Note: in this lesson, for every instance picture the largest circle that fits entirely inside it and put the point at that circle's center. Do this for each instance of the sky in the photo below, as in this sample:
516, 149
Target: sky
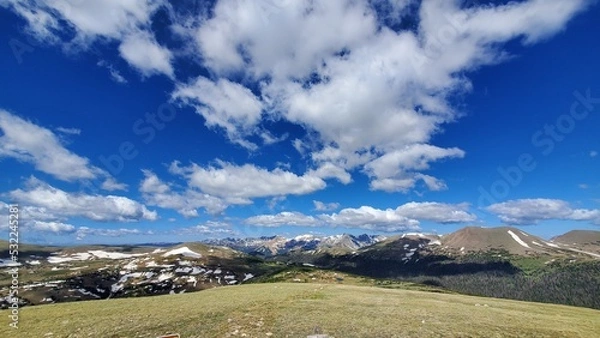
166, 121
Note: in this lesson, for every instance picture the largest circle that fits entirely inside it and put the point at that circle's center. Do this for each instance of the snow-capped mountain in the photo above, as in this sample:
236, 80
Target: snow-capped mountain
277, 245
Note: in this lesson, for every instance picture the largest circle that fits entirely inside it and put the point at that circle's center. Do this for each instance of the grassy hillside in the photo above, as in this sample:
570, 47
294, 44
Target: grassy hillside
294, 310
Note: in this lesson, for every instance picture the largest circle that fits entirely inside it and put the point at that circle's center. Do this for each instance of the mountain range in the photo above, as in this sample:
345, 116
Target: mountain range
469, 260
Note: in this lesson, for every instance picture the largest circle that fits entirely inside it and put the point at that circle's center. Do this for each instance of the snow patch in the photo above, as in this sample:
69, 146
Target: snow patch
112, 255
87, 293
184, 250
80, 256
418, 234
165, 276
518, 239
8, 262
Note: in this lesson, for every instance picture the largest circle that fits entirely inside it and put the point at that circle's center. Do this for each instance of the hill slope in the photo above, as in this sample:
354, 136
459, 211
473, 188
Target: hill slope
510, 239
581, 239
294, 310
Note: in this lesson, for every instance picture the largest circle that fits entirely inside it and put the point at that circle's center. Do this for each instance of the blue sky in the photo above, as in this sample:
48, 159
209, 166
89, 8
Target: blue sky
156, 121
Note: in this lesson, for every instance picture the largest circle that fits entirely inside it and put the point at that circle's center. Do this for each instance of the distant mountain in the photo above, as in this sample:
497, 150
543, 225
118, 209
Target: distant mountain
310, 244
511, 239
579, 237
455, 261
100, 272
587, 240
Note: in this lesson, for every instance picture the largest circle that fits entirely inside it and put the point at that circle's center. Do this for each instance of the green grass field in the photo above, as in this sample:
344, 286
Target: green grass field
294, 310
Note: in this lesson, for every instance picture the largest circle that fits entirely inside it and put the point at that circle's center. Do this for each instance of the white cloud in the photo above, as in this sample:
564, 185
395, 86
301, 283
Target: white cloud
273, 202
209, 228
329, 170
363, 90
532, 211
268, 138
94, 207
110, 184
90, 19
224, 104
28, 142
283, 218
56, 227
114, 73
370, 218
404, 217
83, 232
230, 181
141, 51
127, 22
280, 38
70, 131
593, 153
437, 212
398, 170
321, 206
158, 193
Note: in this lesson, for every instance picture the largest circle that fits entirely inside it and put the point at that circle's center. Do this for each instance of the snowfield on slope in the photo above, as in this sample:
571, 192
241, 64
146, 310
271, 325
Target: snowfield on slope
91, 254
518, 239
184, 250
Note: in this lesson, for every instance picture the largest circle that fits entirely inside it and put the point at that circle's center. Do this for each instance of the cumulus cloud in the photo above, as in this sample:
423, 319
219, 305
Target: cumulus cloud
55, 227
42, 220
127, 22
141, 50
321, 206
283, 218
404, 217
83, 232
371, 94
215, 188
110, 184
437, 212
398, 170
532, 211
209, 228
224, 104
158, 193
330, 170
370, 218
247, 181
28, 142
59, 203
